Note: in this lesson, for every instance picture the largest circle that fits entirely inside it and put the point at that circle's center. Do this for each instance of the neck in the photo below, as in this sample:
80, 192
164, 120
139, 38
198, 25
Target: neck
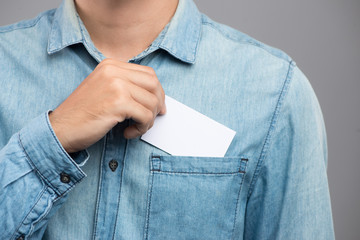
122, 29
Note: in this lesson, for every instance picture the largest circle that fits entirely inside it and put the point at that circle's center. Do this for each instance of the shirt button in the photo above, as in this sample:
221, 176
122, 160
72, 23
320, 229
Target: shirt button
64, 178
22, 237
113, 164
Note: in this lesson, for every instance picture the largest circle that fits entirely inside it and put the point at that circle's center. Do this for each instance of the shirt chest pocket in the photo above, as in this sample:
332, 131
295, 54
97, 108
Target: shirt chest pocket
193, 197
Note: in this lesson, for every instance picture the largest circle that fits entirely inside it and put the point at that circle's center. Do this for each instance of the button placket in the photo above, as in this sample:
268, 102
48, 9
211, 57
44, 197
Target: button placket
110, 180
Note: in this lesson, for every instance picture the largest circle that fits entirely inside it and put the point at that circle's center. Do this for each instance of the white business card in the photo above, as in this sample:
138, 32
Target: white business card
182, 131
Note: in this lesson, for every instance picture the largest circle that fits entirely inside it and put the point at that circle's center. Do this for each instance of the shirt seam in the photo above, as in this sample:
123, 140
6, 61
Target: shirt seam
273, 125
248, 42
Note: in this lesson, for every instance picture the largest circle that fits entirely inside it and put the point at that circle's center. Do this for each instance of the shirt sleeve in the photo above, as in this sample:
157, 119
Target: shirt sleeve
290, 195
36, 174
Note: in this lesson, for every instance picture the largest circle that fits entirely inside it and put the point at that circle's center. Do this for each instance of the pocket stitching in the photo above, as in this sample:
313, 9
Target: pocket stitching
149, 203
241, 171
243, 167
195, 173
156, 167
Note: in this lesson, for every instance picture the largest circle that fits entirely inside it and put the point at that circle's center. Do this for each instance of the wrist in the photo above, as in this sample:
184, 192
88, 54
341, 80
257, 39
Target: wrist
56, 126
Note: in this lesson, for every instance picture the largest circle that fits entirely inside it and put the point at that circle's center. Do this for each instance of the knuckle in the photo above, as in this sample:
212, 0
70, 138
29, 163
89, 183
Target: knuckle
162, 98
107, 60
154, 84
151, 124
121, 93
104, 62
107, 71
162, 102
149, 116
150, 70
154, 102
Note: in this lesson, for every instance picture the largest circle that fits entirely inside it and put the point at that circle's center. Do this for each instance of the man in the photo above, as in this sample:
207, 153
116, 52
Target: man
81, 83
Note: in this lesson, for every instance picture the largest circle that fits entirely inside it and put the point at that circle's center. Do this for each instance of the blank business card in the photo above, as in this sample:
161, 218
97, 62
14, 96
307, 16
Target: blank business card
182, 131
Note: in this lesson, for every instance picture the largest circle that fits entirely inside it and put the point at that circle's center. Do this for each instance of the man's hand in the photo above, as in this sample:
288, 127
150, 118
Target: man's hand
113, 92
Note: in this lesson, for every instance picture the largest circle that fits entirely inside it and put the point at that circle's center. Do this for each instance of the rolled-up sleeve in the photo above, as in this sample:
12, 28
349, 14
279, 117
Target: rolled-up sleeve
35, 175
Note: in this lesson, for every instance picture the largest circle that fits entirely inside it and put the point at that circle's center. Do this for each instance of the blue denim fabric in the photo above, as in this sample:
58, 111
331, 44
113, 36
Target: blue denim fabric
272, 183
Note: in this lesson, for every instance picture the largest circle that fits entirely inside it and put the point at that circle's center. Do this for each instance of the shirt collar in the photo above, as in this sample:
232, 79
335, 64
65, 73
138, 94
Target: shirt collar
65, 29
179, 38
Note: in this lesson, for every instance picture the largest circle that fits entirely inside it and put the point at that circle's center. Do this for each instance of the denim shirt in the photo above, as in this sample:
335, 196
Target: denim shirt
271, 184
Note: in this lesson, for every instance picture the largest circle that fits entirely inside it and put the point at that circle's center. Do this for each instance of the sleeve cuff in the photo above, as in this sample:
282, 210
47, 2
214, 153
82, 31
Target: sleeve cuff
49, 158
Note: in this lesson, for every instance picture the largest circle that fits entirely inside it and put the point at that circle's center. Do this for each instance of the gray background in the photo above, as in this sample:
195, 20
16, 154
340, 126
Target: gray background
323, 37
